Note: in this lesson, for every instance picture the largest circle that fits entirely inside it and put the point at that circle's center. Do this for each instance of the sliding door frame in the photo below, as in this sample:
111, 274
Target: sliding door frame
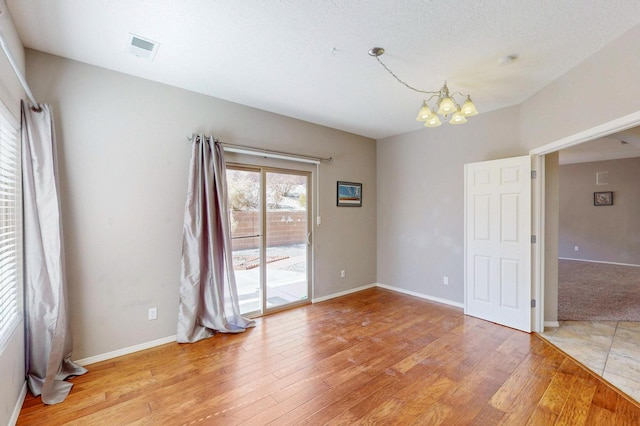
262, 211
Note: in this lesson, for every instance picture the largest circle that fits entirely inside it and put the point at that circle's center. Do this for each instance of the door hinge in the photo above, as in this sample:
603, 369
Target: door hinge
534, 174
533, 239
533, 303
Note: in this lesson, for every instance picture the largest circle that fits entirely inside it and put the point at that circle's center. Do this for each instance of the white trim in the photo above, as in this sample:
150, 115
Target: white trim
552, 324
464, 237
342, 293
600, 261
11, 289
16, 324
537, 221
422, 296
17, 70
392, 288
18, 407
613, 126
126, 351
618, 125
170, 339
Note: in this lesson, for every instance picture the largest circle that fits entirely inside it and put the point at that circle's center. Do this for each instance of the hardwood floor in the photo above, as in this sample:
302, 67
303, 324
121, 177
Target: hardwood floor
374, 357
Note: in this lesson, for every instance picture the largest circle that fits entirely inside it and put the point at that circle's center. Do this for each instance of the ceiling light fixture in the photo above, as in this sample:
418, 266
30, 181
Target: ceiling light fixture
445, 103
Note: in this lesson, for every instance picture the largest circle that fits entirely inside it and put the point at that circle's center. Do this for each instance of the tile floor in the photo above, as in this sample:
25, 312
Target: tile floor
610, 349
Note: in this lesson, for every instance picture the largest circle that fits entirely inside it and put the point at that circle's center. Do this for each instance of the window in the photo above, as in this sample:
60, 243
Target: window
10, 228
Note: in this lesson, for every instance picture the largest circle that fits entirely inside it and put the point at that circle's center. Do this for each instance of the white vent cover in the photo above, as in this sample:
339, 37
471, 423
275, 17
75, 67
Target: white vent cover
602, 178
142, 47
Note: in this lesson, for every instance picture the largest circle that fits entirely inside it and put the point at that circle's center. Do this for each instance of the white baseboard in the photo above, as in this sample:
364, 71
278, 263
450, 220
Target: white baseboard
599, 261
169, 339
422, 296
16, 410
126, 351
552, 324
342, 293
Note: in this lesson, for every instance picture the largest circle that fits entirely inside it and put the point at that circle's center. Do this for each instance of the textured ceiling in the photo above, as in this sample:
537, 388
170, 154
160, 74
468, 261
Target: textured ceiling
308, 59
613, 147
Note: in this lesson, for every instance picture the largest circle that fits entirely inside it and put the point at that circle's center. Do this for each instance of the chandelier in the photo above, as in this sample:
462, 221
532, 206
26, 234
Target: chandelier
444, 102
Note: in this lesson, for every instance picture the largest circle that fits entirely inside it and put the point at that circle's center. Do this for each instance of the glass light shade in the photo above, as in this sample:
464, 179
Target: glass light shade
434, 121
425, 113
468, 108
458, 118
446, 106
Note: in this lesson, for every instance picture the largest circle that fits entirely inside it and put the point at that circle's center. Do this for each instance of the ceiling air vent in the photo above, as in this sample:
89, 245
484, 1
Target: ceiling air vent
142, 47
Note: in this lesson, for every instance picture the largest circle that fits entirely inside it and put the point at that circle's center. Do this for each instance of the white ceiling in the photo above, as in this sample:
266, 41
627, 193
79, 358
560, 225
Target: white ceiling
613, 147
308, 59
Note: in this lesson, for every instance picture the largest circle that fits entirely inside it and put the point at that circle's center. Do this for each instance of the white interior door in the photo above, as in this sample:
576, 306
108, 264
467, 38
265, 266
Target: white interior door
498, 241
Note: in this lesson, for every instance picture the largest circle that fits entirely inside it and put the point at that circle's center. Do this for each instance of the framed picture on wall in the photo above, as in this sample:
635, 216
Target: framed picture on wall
603, 198
349, 194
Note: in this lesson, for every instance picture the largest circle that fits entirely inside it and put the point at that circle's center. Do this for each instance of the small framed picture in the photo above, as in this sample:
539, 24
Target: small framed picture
349, 194
603, 198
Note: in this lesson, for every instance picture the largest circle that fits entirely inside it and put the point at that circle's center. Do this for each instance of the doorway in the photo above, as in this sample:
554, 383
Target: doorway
271, 237
599, 249
543, 286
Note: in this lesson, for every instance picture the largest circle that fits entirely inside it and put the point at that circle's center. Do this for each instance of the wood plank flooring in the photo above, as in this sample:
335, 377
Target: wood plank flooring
373, 357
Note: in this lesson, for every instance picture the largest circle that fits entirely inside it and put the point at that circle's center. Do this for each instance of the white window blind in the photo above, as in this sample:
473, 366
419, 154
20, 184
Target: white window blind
10, 235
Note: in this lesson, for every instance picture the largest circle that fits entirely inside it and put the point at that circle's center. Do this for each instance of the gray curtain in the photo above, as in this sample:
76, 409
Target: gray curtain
48, 339
208, 294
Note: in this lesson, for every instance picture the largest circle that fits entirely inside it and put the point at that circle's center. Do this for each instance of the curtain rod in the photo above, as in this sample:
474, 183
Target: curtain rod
273, 154
18, 73
241, 149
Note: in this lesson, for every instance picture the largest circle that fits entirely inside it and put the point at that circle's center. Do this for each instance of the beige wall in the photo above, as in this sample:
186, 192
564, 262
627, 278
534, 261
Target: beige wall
575, 103
421, 200
420, 174
611, 233
123, 170
12, 357
602, 88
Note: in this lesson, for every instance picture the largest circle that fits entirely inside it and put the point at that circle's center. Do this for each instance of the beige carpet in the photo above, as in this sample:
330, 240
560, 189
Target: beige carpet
598, 292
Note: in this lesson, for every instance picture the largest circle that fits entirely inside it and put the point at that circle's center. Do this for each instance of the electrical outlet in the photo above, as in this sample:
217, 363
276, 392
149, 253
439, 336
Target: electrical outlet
445, 280
153, 313
343, 273
576, 248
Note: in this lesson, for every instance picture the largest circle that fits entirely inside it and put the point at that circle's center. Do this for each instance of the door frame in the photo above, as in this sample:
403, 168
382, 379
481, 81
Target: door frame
309, 242
538, 154
263, 169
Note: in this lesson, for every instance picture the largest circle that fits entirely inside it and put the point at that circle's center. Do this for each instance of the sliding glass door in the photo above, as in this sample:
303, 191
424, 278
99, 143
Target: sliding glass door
244, 189
270, 231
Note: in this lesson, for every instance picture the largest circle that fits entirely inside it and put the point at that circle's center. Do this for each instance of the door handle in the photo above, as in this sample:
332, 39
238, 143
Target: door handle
309, 239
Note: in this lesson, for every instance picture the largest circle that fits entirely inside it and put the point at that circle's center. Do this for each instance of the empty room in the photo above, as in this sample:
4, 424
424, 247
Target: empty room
318, 212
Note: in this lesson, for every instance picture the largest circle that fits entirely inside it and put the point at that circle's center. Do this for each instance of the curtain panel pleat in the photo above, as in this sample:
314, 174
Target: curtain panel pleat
208, 292
48, 338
